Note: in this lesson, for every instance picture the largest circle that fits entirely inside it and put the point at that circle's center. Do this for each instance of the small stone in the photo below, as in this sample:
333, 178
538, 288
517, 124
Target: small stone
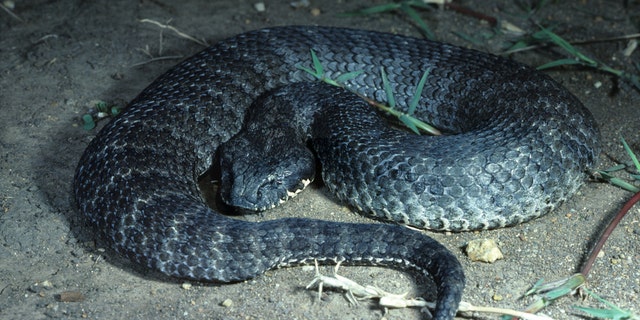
9, 4
484, 250
38, 286
117, 76
186, 286
71, 296
260, 7
227, 303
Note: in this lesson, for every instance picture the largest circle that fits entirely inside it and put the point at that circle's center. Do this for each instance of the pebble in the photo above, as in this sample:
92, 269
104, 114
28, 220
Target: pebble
260, 7
227, 303
71, 296
9, 4
484, 250
38, 286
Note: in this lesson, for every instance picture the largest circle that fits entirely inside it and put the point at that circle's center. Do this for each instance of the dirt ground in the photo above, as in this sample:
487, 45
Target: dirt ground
66, 55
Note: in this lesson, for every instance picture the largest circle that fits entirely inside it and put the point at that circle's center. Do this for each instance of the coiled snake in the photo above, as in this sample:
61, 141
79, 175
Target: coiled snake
516, 144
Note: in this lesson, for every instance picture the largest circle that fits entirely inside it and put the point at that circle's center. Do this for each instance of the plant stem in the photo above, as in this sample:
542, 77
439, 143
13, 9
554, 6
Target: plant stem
607, 232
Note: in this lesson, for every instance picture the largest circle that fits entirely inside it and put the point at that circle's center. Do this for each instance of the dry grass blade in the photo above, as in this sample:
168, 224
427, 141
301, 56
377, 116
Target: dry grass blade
178, 32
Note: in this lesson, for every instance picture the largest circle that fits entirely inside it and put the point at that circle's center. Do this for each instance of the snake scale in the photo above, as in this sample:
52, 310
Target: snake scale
516, 144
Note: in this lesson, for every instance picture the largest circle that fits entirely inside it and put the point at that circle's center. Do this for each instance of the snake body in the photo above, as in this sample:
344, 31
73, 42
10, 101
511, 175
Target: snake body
516, 144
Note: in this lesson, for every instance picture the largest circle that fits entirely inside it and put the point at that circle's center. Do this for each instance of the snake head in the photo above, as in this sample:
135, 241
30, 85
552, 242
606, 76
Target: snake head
258, 173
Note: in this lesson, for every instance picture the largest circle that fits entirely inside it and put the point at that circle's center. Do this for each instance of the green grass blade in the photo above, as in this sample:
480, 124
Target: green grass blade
373, 10
551, 291
426, 127
318, 71
619, 182
559, 62
307, 70
419, 124
615, 168
416, 96
316, 64
635, 80
517, 45
631, 154
412, 123
413, 14
614, 312
468, 38
546, 34
408, 122
604, 313
607, 303
387, 89
348, 76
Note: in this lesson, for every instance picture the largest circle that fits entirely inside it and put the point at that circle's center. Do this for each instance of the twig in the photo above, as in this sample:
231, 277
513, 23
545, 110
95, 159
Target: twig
155, 59
577, 42
607, 232
471, 13
355, 292
178, 32
467, 307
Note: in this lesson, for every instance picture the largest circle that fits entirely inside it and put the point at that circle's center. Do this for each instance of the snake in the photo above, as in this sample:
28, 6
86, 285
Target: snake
515, 145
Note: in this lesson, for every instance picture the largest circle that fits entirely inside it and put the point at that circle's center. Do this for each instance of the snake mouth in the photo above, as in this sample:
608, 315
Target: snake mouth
266, 194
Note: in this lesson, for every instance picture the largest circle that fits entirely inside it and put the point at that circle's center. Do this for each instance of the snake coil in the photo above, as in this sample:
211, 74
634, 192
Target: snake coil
516, 145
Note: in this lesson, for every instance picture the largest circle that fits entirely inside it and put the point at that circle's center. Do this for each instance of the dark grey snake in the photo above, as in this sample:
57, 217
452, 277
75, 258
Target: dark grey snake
516, 145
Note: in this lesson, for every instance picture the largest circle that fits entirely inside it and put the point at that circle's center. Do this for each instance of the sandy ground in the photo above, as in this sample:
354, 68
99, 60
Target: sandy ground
65, 55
